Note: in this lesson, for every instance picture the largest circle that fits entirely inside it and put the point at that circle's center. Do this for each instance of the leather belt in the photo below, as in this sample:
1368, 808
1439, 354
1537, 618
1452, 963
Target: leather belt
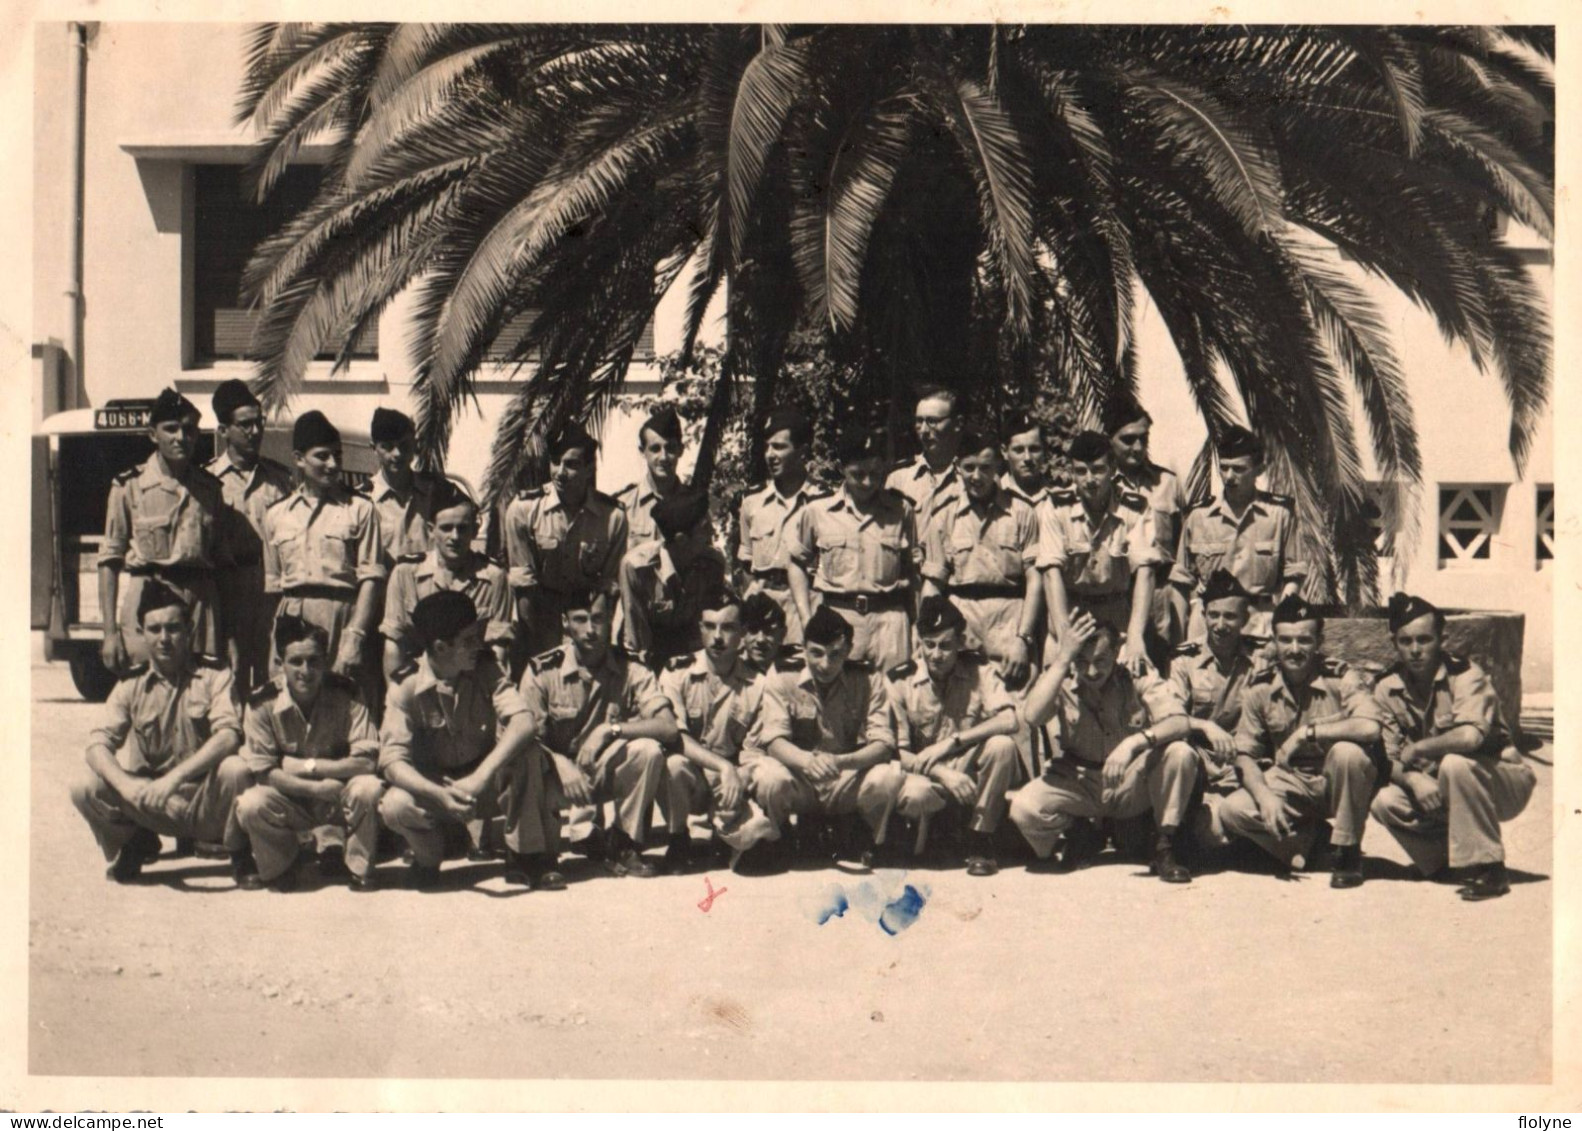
980, 590
772, 578
864, 603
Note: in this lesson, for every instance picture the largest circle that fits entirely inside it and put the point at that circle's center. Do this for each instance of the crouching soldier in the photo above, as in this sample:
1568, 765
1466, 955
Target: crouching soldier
705, 690
825, 726
314, 751
1300, 751
1456, 774
954, 725
163, 762
604, 722
458, 745
1118, 755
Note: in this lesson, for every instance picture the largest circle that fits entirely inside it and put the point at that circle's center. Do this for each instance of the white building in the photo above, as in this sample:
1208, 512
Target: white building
161, 155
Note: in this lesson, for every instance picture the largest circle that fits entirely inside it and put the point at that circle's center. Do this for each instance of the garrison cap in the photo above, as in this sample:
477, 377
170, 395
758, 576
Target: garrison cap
761, 613
313, 430
664, 423
1221, 584
974, 441
442, 615
792, 420
1294, 609
860, 442
1124, 413
157, 595
718, 597
826, 626
388, 426
171, 405
572, 436
1088, 446
290, 629
1017, 423
1236, 442
448, 493
1403, 609
230, 396
678, 513
936, 614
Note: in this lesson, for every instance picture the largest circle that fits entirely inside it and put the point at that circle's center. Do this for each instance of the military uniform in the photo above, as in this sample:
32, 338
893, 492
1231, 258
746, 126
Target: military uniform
480, 579
637, 500
552, 552
1098, 560
1259, 549
860, 565
840, 719
926, 712
157, 525
1166, 497
761, 552
1203, 691
338, 727
707, 705
661, 605
317, 554
1326, 779
1012, 488
152, 724
1086, 729
446, 731
406, 518
246, 617
925, 488
980, 556
1480, 789
570, 700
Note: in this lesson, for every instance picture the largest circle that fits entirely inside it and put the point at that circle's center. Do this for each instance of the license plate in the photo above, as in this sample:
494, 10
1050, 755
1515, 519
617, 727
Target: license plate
121, 418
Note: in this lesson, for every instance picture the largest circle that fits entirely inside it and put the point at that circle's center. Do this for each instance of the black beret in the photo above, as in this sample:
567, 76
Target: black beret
448, 493
860, 443
792, 420
313, 430
1403, 610
157, 595
572, 436
1221, 584
230, 396
291, 629
442, 615
826, 626
171, 405
1236, 442
1088, 446
974, 441
663, 423
1293, 609
762, 613
678, 513
936, 614
1123, 414
717, 597
388, 426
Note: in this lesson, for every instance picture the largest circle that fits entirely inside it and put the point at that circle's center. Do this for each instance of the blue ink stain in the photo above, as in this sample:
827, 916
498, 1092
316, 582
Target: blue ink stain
902, 912
891, 903
835, 905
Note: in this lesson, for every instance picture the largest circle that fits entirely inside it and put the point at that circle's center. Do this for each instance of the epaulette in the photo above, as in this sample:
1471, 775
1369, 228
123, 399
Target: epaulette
819, 492
545, 660
860, 665
1190, 648
632, 487
137, 669
902, 671
203, 472
903, 464
264, 695
1265, 676
611, 500
1062, 496
205, 660
789, 663
971, 656
679, 663
341, 682
1333, 668
1278, 500
1454, 664
1134, 498
531, 492
128, 475
404, 672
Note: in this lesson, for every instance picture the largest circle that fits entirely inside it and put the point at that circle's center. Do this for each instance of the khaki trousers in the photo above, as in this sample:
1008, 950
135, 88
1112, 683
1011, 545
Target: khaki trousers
631, 774
1161, 780
1340, 792
882, 637
203, 809
992, 765
689, 789
273, 823
518, 794
874, 793
1479, 792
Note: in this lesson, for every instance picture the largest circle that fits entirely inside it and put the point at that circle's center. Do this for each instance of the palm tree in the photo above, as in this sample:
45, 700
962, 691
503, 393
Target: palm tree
972, 203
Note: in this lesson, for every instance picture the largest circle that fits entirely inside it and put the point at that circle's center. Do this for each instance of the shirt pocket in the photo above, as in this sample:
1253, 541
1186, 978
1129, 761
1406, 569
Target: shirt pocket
154, 533
888, 553
1209, 556
590, 556
196, 710
1265, 563
333, 543
763, 540
838, 561
1007, 555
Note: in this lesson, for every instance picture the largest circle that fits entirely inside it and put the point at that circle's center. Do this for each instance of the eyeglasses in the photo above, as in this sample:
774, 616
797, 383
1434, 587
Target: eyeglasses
247, 425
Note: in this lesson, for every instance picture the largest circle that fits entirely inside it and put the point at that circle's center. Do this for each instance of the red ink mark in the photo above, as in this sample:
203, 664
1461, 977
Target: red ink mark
708, 901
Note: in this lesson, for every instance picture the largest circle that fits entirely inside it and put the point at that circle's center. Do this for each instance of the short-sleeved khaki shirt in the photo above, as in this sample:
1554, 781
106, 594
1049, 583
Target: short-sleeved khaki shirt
569, 700
550, 546
1260, 548
1461, 695
443, 728
927, 712
847, 551
845, 716
994, 543
1272, 710
338, 726
706, 703
152, 723
1097, 558
155, 519
249, 494
1089, 724
332, 542
480, 579
406, 518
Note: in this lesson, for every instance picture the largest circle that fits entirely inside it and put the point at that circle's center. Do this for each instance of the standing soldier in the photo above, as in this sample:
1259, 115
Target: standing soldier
604, 722
561, 539
930, 478
857, 549
705, 690
826, 730
664, 582
1097, 550
1246, 531
163, 762
1300, 750
1118, 753
660, 443
767, 509
165, 519
1456, 773
457, 746
1128, 426
321, 551
954, 725
982, 549
250, 485
1022, 441
313, 750
404, 498
452, 563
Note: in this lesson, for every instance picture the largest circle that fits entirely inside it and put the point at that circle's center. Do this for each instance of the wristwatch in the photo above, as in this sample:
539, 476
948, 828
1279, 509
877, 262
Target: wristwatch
615, 731
313, 767
1026, 638
1312, 732
1148, 735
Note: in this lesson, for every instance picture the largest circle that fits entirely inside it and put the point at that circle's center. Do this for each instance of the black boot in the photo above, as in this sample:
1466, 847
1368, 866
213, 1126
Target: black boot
1347, 872
678, 854
1486, 882
1165, 865
981, 860
128, 864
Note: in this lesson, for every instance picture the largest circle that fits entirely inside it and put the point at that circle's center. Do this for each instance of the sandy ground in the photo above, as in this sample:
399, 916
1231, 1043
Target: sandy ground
1102, 975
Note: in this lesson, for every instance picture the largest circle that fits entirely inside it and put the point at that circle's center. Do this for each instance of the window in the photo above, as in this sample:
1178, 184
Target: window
1546, 523
227, 225
1469, 518
517, 326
